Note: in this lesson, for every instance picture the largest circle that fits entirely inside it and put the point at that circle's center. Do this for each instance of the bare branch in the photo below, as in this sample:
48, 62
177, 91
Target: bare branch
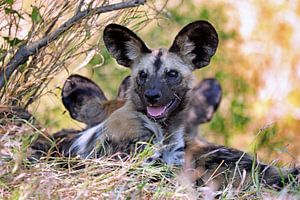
25, 51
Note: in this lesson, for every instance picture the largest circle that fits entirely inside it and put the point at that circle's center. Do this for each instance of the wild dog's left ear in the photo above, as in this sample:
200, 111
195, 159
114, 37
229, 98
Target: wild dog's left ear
205, 99
124, 45
196, 43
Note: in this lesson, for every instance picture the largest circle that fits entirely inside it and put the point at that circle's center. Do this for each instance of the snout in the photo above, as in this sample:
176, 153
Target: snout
152, 96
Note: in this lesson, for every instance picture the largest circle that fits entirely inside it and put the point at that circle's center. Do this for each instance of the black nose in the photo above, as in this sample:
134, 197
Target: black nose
152, 95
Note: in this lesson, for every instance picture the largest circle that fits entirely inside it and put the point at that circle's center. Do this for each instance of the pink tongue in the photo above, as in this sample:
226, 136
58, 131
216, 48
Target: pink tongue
156, 111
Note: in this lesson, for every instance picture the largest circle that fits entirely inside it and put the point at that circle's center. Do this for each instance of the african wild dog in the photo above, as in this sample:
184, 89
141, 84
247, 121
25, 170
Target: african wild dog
157, 98
205, 163
87, 103
156, 109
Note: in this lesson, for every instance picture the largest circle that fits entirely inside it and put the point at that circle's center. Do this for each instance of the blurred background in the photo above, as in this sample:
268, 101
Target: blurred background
257, 64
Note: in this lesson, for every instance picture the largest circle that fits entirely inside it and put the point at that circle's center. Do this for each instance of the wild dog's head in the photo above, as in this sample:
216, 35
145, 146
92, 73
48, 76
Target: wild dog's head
161, 78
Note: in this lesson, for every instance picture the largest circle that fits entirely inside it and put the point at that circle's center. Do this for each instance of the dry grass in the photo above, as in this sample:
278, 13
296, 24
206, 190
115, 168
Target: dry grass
115, 177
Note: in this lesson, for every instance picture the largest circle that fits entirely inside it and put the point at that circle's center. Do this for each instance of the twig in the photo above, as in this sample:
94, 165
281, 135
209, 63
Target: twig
56, 19
25, 51
79, 7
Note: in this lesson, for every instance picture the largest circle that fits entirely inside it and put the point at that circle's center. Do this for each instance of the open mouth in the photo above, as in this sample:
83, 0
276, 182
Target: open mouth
159, 112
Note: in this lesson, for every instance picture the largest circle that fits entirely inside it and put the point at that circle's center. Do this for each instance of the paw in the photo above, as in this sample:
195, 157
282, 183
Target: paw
173, 158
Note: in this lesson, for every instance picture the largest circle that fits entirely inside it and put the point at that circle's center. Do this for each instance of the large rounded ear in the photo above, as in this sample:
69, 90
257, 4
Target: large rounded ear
123, 88
205, 99
196, 43
83, 99
124, 45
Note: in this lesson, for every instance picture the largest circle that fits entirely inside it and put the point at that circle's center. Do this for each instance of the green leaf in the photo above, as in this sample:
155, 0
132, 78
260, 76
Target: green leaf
266, 136
12, 11
10, 2
22, 67
218, 124
2, 51
9, 10
36, 16
6, 2
96, 60
238, 115
205, 14
13, 42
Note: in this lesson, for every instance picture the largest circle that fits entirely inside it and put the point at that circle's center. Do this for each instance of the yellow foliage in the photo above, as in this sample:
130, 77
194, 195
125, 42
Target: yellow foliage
294, 98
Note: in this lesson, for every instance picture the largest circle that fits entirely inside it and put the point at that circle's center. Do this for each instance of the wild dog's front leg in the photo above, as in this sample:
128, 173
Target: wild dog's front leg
157, 141
173, 151
169, 150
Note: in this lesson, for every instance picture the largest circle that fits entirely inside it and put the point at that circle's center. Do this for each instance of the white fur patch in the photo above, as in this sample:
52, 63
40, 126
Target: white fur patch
171, 155
177, 138
133, 51
82, 144
187, 48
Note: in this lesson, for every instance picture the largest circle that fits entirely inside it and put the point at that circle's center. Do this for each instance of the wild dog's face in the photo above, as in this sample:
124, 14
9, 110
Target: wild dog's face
160, 83
161, 78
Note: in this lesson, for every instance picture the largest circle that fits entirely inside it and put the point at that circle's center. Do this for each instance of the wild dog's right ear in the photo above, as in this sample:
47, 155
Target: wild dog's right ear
196, 43
123, 88
124, 45
83, 99
205, 99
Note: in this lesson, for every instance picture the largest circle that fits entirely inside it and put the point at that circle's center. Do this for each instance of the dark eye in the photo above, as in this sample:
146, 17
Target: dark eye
172, 73
143, 75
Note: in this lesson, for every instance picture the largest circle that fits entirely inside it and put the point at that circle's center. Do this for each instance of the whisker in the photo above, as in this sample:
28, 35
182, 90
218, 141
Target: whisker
177, 97
164, 122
